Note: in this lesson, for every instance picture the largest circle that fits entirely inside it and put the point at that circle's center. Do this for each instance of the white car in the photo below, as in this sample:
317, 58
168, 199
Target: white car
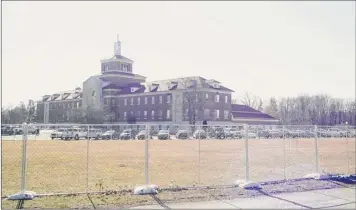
252, 135
74, 133
94, 133
58, 134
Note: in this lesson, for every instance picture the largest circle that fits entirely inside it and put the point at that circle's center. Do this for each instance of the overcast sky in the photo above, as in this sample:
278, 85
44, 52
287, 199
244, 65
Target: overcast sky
266, 48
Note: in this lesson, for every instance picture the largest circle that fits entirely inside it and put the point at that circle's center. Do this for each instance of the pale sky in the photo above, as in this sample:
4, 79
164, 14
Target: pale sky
266, 48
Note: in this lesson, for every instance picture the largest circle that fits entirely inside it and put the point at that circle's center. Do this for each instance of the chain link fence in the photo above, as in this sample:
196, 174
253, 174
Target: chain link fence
95, 158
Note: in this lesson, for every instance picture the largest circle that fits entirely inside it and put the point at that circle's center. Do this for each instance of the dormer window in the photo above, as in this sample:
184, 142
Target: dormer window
65, 95
153, 87
134, 89
193, 83
172, 85
216, 85
54, 97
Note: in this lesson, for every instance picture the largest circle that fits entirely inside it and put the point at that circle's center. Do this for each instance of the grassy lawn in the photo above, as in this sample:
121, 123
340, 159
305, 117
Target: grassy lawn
61, 166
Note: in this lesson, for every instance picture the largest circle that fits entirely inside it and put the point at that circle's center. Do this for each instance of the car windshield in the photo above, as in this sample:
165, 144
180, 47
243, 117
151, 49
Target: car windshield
111, 131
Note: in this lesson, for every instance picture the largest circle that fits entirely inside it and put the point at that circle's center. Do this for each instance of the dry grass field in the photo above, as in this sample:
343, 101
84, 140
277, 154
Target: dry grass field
61, 166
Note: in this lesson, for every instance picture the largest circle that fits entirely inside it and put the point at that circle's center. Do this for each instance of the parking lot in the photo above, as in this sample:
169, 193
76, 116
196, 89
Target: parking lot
185, 132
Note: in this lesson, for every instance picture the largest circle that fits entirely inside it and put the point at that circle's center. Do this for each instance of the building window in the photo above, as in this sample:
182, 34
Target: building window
217, 98
106, 101
226, 99
138, 114
145, 100
113, 101
132, 101
160, 114
153, 100
196, 98
145, 115
217, 114
226, 114
206, 113
124, 67
125, 115
153, 115
206, 96
168, 114
186, 114
68, 106
168, 99
138, 101
160, 99
125, 101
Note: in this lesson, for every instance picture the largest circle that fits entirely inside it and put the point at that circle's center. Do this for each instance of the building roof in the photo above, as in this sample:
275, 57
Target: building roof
117, 57
167, 85
243, 111
64, 95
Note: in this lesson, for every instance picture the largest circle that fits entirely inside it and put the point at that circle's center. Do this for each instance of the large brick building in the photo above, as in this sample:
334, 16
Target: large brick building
122, 95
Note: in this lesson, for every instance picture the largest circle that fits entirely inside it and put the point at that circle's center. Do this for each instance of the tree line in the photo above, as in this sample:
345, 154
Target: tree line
320, 109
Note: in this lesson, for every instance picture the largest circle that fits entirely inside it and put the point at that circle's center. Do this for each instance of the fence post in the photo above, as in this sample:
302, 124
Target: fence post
247, 175
87, 166
284, 153
23, 161
316, 147
147, 154
199, 158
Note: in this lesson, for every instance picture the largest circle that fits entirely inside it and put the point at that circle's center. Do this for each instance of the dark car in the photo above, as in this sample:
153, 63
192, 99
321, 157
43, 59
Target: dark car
219, 133
182, 134
163, 135
110, 134
7, 130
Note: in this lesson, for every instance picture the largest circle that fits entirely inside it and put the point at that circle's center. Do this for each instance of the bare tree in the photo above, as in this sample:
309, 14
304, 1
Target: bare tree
93, 116
272, 108
31, 111
252, 101
193, 102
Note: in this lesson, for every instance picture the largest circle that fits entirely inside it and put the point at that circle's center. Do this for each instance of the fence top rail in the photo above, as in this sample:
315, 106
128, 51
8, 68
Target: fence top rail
181, 125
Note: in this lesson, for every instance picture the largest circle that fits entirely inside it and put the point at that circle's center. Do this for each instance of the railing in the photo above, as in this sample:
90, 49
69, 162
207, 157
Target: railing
91, 158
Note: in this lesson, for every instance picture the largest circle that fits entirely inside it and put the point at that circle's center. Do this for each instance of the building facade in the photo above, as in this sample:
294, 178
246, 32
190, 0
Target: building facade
121, 96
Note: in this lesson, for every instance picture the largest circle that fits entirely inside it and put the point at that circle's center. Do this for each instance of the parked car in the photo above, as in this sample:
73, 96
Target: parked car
127, 134
229, 132
58, 134
251, 135
17, 130
182, 134
297, 134
94, 133
217, 133
7, 130
199, 134
309, 134
163, 135
110, 134
238, 134
323, 133
141, 135
74, 133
